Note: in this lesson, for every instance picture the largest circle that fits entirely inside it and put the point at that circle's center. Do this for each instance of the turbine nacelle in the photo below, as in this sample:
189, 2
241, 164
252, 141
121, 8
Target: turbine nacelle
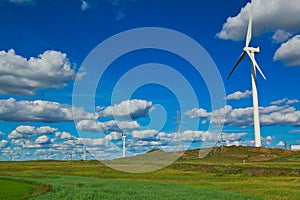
252, 49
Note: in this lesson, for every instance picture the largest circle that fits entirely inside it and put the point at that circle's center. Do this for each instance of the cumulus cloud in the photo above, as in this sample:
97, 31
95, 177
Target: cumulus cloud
22, 76
64, 135
268, 16
42, 140
12, 110
114, 136
284, 115
239, 95
289, 52
129, 109
3, 143
206, 136
281, 144
46, 130
144, 134
22, 132
109, 126
94, 142
281, 36
27, 132
198, 113
15, 135
270, 138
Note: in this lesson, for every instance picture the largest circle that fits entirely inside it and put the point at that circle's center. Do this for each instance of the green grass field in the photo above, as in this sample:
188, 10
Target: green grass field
11, 190
266, 174
78, 188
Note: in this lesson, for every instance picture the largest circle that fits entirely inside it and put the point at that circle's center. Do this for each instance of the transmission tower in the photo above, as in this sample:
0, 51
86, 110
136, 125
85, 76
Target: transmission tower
218, 125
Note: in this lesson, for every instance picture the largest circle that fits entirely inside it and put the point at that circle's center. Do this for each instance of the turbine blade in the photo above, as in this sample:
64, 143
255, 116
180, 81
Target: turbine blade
249, 32
255, 64
236, 64
253, 74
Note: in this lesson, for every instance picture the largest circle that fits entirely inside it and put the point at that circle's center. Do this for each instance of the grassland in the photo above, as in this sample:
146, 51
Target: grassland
11, 190
236, 173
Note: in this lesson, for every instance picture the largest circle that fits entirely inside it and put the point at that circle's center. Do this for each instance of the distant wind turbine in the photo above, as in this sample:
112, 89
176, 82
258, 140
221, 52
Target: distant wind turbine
250, 51
124, 143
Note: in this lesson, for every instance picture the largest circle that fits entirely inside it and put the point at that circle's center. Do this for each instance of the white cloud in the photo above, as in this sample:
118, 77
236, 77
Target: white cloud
64, 135
281, 36
270, 138
285, 115
94, 142
26, 129
46, 130
84, 5
144, 134
3, 143
1, 134
281, 143
130, 109
289, 52
22, 76
205, 136
198, 113
22, 132
40, 111
239, 95
279, 102
42, 140
27, 132
109, 126
15, 135
292, 101
240, 143
268, 16
114, 136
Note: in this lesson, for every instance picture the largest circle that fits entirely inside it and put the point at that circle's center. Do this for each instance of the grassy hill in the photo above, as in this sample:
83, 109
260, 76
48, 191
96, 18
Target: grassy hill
241, 153
257, 172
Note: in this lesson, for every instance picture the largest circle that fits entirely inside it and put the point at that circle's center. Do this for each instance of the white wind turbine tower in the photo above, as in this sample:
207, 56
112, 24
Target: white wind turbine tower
250, 51
124, 143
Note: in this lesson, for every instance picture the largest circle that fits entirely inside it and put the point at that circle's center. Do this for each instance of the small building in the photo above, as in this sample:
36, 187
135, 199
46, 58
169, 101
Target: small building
295, 147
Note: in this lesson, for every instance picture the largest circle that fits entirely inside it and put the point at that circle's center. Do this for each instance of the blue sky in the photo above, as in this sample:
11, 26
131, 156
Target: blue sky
45, 47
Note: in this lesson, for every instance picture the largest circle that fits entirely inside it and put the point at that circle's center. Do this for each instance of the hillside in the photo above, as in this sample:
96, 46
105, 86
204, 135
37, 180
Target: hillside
267, 173
241, 153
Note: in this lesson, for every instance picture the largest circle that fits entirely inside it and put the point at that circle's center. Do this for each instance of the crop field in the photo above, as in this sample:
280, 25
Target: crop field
236, 173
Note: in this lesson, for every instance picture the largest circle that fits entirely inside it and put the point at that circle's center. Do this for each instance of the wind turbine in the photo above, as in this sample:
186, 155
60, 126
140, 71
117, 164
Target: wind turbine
124, 143
250, 51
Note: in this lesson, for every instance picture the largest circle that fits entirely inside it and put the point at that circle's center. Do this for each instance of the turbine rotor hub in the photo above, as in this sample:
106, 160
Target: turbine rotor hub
252, 49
